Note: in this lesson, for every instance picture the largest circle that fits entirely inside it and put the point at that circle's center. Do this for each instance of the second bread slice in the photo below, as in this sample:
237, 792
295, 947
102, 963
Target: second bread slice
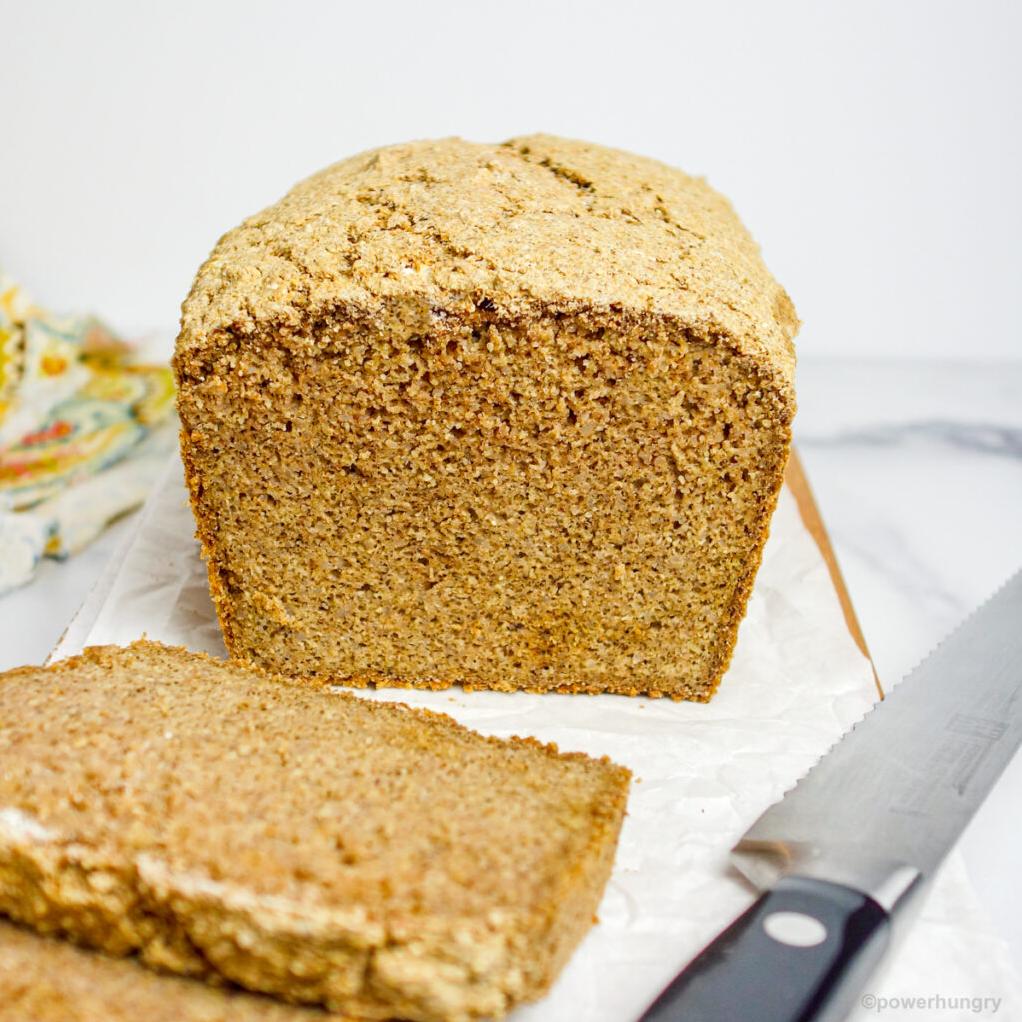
309, 844
48, 980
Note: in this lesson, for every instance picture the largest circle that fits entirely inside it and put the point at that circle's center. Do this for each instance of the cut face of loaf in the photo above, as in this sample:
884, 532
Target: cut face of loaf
225, 825
505, 416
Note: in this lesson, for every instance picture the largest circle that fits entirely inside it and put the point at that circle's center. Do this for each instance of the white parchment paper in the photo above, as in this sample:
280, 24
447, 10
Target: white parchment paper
703, 773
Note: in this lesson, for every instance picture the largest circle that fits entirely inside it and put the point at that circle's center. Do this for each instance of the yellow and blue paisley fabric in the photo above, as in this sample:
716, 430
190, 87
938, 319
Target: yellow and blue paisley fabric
72, 407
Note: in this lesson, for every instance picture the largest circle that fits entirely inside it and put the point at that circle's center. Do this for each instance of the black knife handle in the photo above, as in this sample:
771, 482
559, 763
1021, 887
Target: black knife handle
748, 974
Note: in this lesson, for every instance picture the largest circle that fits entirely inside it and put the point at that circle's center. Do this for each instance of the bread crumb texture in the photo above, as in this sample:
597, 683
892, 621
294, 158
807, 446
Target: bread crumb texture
294, 840
509, 416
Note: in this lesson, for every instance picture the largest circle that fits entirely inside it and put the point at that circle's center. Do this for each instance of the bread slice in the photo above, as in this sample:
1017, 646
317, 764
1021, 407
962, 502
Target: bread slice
48, 980
512, 416
297, 841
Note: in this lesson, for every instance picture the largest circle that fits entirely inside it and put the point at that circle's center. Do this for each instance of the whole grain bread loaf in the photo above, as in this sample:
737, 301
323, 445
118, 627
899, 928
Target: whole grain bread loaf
47, 980
512, 416
222, 824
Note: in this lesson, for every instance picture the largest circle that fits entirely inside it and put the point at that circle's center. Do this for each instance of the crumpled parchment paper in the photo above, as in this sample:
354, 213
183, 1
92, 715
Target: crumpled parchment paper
703, 773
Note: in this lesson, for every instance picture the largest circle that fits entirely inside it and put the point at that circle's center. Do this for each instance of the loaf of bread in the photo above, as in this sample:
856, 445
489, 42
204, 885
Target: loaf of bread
223, 824
510, 416
47, 980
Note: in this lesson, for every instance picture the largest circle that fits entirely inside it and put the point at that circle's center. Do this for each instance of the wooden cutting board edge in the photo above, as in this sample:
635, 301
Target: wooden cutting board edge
798, 483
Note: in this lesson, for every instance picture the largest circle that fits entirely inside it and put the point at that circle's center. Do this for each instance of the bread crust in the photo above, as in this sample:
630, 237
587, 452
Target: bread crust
537, 224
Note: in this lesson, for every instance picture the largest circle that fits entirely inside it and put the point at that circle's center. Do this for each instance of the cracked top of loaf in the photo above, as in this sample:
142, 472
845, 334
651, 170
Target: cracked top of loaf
403, 237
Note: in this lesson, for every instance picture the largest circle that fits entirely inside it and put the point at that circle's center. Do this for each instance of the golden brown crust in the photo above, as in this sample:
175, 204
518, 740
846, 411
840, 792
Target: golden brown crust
225, 824
539, 222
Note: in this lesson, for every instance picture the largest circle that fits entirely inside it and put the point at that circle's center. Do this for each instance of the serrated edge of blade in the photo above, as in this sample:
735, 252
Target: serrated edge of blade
974, 613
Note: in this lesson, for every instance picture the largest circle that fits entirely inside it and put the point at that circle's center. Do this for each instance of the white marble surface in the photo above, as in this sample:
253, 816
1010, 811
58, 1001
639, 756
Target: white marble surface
917, 468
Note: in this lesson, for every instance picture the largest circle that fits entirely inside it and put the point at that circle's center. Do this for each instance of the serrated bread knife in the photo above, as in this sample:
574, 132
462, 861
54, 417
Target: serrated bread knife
844, 854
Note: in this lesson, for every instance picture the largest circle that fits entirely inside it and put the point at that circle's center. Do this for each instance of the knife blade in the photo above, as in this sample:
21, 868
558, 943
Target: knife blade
842, 857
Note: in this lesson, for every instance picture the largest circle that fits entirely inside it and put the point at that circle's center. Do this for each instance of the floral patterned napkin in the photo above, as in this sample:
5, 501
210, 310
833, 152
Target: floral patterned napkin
83, 432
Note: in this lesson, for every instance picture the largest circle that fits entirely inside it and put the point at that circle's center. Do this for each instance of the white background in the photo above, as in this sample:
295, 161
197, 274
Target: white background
872, 147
